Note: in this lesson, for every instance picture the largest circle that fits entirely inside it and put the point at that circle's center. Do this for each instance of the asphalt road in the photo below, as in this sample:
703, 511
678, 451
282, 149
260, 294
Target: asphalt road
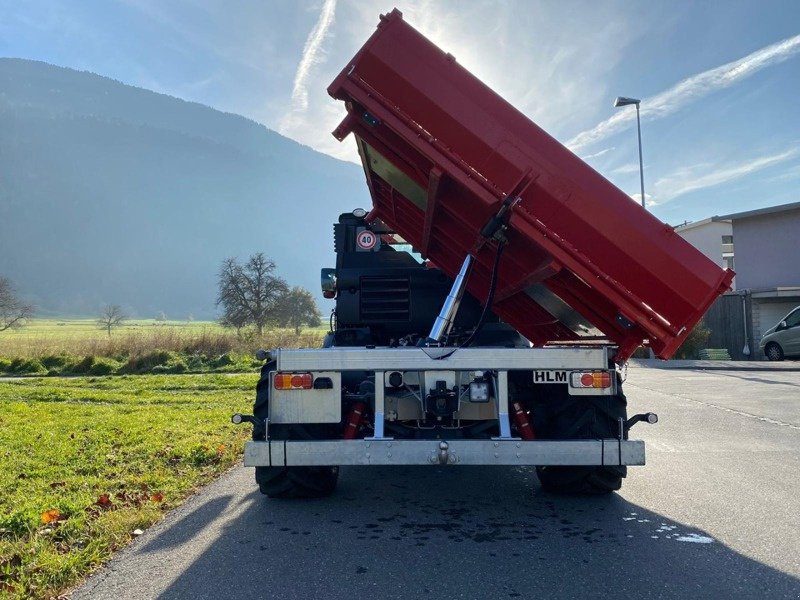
714, 514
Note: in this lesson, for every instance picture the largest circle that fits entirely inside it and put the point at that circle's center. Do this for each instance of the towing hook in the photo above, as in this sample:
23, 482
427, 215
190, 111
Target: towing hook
238, 419
650, 417
443, 449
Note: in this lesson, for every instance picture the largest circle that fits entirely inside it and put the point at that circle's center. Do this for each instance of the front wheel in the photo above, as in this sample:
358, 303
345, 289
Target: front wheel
564, 417
773, 351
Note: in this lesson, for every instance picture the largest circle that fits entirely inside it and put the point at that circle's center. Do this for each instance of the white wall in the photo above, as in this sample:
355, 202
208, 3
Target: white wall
708, 239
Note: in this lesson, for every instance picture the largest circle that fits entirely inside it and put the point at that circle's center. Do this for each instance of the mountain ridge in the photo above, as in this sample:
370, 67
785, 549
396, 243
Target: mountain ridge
115, 194
55, 71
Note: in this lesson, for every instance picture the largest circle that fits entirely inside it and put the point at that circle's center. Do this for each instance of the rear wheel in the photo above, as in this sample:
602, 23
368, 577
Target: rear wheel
289, 482
565, 417
297, 482
773, 351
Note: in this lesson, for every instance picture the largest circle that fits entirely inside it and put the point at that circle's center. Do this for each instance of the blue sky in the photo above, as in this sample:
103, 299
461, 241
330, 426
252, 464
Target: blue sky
719, 81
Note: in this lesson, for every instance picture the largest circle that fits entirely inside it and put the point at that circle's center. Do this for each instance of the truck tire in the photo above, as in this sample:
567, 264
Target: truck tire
580, 418
288, 482
297, 482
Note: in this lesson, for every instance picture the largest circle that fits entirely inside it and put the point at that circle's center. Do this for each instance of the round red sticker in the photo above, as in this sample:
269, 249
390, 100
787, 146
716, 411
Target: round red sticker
366, 240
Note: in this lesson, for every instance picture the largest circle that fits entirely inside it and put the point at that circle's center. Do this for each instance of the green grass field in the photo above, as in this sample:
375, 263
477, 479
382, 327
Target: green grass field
82, 328
78, 346
85, 461
41, 337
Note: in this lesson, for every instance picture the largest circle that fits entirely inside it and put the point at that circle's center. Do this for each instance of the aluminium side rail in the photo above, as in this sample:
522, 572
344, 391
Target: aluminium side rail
445, 452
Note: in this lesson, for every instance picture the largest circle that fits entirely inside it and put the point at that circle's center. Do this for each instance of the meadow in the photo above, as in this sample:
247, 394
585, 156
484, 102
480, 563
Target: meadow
79, 347
88, 461
85, 462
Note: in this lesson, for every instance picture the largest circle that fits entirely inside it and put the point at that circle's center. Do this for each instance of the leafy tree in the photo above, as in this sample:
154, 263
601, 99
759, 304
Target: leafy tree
112, 317
13, 311
249, 292
296, 308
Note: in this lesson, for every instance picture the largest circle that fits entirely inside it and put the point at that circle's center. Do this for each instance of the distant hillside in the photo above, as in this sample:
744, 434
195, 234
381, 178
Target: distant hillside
115, 194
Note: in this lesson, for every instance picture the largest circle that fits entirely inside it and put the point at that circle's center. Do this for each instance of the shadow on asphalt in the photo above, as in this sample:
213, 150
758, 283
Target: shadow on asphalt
187, 528
770, 381
471, 532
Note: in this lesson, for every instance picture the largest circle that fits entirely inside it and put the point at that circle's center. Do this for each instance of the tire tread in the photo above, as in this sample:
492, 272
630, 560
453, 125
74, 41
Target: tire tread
297, 482
288, 482
575, 418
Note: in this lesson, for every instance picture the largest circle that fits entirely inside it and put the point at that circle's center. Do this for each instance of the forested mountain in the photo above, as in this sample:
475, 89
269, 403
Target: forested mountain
115, 194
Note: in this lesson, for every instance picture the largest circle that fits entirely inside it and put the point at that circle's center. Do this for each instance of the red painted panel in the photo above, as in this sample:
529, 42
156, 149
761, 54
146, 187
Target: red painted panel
628, 274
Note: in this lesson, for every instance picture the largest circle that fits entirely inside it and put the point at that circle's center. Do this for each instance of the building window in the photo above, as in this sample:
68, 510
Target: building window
729, 264
727, 245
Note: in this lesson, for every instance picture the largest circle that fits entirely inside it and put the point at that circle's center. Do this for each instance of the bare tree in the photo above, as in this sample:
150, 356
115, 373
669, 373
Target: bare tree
297, 308
235, 317
249, 292
112, 317
13, 311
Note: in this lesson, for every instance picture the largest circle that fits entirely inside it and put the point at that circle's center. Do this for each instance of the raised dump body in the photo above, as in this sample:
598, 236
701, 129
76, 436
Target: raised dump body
442, 152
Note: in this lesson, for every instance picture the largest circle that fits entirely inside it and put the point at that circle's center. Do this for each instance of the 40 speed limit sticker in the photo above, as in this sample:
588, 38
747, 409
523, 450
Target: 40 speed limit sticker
366, 240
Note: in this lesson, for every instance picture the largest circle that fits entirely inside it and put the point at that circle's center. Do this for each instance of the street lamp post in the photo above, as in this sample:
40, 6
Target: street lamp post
622, 101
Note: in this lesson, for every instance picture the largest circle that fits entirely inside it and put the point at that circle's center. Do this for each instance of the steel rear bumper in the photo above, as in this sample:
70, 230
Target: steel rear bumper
435, 452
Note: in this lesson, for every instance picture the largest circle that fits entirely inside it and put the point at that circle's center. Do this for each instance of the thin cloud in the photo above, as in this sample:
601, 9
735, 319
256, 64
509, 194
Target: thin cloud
793, 172
689, 180
311, 53
625, 169
648, 199
598, 154
483, 36
294, 123
689, 90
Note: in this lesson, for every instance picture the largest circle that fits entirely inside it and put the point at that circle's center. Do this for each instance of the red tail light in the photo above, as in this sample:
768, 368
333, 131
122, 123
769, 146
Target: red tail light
593, 379
293, 381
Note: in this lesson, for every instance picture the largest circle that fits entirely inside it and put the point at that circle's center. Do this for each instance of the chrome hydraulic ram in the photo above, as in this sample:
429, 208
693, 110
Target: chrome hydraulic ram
444, 322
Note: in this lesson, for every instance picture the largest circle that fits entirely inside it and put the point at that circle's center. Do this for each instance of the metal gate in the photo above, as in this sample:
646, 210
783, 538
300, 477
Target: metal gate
726, 319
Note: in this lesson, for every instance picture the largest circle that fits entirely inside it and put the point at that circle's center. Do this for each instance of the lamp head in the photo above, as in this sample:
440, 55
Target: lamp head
623, 101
